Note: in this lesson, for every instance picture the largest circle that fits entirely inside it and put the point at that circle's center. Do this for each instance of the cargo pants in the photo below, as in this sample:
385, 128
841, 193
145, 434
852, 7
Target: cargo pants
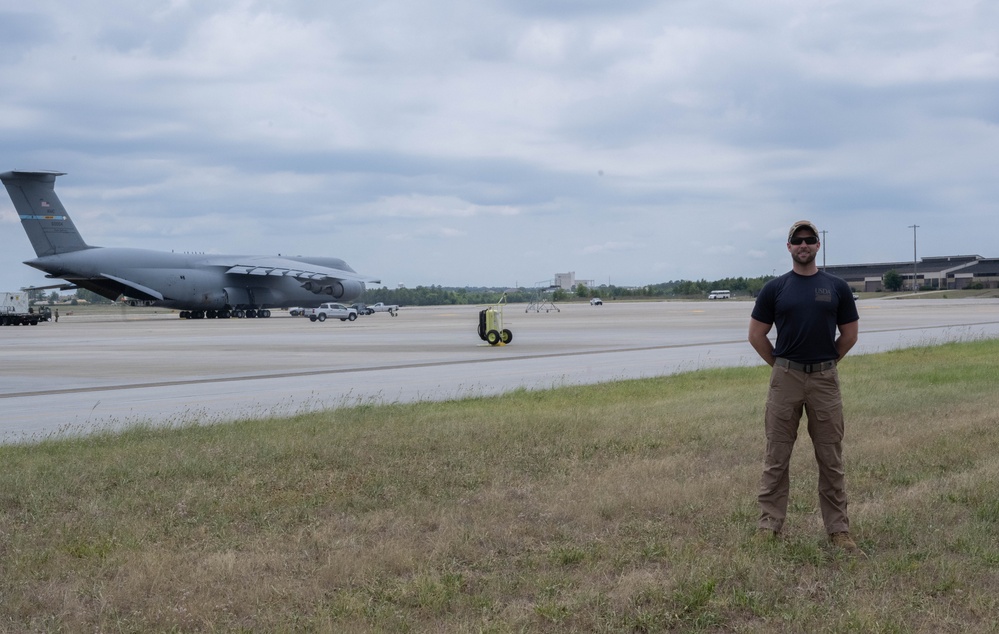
791, 393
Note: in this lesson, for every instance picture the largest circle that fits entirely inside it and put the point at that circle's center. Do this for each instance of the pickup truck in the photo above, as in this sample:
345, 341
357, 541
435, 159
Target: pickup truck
331, 310
391, 309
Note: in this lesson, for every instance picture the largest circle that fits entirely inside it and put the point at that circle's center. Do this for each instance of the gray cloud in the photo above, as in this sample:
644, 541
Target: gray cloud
633, 141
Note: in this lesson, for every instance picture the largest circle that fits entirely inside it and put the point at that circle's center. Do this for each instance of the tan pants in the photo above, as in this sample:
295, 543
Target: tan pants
791, 393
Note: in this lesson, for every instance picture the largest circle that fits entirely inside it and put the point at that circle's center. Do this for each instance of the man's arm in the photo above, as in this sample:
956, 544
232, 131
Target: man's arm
848, 334
758, 332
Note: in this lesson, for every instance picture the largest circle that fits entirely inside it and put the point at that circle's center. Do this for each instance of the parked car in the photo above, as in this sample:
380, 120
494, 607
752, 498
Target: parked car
596, 301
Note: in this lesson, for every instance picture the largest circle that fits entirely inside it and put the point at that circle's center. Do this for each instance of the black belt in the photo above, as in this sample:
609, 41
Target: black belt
807, 368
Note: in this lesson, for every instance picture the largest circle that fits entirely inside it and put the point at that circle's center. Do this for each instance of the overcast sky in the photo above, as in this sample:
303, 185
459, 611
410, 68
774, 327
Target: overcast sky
499, 142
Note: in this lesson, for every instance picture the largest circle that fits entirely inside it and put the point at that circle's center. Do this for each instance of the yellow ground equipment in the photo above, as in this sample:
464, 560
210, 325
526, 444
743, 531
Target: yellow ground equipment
491, 328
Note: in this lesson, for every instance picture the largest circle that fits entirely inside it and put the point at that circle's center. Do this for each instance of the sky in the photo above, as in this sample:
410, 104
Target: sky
499, 142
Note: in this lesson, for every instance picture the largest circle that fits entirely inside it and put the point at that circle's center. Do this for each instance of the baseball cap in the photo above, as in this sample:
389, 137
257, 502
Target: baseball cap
802, 224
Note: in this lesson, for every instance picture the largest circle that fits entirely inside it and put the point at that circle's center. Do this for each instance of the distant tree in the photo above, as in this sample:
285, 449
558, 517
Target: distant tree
892, 281
755, 285
91, 297
53, 297
438, 295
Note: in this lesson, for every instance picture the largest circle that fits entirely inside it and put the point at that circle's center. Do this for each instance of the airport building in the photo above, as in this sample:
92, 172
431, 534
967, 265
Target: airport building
568, 281
952, 272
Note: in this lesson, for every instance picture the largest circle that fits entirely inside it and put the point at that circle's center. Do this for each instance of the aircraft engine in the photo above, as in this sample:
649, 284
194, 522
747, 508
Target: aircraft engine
337, 290
344, 288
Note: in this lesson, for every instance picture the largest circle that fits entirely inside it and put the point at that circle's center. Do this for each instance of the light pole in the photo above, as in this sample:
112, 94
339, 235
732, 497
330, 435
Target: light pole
914, 286
823, 232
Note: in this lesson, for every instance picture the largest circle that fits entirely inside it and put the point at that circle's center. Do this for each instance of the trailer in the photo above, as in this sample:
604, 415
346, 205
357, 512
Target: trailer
15, 311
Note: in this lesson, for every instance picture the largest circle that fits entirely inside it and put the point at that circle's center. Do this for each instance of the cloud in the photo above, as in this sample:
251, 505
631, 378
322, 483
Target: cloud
567, 135
414, 206
610, 247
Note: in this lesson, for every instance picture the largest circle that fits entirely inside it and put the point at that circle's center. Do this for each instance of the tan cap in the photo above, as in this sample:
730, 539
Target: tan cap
802, 224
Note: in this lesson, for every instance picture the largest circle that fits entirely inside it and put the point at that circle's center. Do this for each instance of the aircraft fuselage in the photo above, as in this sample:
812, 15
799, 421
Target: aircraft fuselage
186, 281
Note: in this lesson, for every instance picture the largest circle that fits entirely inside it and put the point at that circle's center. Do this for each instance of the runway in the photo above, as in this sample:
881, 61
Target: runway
107, 372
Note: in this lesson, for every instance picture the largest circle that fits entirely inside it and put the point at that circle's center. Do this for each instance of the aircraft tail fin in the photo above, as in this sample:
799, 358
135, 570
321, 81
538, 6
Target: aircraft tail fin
45, 220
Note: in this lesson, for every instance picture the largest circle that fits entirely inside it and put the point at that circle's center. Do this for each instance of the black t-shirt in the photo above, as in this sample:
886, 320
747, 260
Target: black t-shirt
806, 309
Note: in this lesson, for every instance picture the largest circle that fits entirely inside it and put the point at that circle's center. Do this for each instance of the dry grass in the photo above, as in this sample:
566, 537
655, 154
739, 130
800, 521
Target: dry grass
619, 507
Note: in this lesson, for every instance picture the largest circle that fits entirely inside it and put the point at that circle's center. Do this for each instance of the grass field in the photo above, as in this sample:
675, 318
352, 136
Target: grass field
620, 507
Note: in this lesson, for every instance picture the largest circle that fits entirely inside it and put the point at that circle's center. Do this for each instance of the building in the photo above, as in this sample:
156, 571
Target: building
952, 272
565, 281
568, 281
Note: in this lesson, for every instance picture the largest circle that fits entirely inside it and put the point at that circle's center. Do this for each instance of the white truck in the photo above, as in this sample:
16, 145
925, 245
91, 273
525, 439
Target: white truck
331, 310
391, 309
15, 311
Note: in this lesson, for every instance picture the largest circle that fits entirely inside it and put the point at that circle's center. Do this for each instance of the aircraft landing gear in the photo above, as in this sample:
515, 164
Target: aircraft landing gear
254, 313
226, 313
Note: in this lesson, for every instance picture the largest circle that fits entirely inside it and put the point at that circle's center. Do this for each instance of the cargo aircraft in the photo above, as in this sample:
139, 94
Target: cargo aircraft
199, 286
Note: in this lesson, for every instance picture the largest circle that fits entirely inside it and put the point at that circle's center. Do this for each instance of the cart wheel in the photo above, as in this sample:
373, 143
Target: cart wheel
506, 336
492, 337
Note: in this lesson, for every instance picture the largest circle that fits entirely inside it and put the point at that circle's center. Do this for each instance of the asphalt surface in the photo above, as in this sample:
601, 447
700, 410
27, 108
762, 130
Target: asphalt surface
105, 372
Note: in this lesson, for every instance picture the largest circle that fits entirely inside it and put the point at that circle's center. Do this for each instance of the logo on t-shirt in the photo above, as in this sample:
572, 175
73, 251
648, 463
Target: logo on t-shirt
823, 295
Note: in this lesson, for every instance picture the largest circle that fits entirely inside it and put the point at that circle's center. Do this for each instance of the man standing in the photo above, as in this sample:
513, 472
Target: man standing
808, 306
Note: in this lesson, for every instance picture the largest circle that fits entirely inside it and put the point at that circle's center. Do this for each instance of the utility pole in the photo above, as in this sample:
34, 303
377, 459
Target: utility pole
823, 232
915, 288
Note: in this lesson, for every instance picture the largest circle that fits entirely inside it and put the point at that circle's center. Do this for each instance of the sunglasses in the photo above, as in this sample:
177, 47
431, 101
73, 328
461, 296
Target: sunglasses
796, 240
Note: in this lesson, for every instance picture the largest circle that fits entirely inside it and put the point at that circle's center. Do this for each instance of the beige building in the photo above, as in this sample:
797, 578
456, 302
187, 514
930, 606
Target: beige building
568, 281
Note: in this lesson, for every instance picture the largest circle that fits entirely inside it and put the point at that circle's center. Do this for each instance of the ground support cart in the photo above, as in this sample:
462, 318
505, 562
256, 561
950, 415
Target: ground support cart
491, 328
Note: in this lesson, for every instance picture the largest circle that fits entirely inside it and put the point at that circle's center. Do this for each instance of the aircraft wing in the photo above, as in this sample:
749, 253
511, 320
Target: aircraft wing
61, 287
290, 268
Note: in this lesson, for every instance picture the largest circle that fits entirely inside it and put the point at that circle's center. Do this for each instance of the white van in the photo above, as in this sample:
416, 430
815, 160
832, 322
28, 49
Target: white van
720, 295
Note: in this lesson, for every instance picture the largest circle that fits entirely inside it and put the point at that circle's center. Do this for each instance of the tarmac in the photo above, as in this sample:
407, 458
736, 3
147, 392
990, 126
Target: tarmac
106, 372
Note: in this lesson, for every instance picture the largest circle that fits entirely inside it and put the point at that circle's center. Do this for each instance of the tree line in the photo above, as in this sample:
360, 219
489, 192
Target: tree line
453, 296
443, 296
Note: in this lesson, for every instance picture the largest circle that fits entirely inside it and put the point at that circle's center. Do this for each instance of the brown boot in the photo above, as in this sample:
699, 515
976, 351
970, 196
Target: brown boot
844, 541
765, 536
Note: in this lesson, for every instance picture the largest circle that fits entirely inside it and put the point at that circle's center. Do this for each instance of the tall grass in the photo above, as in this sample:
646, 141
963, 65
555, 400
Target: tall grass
620, 507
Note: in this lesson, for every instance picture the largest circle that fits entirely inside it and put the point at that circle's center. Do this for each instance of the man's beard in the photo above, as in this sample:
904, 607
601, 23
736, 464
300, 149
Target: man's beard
804, 257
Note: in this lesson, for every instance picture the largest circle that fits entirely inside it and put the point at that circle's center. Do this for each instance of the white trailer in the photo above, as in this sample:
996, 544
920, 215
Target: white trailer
16, 311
